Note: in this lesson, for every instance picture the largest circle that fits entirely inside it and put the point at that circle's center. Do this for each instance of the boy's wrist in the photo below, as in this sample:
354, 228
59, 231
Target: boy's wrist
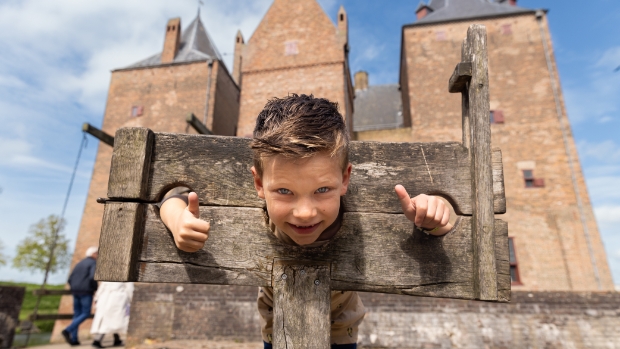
436, 231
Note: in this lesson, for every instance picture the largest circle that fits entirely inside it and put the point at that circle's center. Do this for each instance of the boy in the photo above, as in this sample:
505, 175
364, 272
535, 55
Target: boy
301, 170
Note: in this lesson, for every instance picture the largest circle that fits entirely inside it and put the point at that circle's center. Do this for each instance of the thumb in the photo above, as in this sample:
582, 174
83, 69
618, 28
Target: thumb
192, 204
405, 201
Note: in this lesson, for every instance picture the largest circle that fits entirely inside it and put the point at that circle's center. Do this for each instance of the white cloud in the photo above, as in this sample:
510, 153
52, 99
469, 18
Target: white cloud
595, 96
606, 151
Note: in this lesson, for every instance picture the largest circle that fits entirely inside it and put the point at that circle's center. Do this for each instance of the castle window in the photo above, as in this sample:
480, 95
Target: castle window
137, 110
506, 29
440, 35
290, 48
496, 117
341, 17
514, 269
531, 181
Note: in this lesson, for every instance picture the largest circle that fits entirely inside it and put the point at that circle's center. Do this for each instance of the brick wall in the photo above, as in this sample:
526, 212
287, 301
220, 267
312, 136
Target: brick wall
166, 95
550, 242
11, 299
295, 49
531, 320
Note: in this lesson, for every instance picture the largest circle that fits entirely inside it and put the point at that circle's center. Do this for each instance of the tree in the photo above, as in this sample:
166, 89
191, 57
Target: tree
34, 251
2, 257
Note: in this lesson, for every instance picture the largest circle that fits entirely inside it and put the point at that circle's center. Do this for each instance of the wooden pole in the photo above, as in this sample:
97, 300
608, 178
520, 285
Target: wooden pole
197, 125
97, 133
301, 305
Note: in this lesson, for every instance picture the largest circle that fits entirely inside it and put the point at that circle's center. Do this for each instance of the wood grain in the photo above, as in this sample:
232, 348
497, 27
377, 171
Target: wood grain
120, 241
129, 171
301, 304
218, 169
372, 252
485, 270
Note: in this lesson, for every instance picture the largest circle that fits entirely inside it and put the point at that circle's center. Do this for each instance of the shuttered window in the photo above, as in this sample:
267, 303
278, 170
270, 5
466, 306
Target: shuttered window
514, 269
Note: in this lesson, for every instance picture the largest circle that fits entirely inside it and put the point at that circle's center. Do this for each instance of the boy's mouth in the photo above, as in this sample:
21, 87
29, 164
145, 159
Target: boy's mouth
304, 229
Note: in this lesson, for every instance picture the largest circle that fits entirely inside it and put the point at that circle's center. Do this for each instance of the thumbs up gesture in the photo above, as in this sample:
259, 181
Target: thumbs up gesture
427, 212
189, 231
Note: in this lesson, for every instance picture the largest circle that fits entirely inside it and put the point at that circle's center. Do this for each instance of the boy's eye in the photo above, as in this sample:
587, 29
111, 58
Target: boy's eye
322, 190
284, 191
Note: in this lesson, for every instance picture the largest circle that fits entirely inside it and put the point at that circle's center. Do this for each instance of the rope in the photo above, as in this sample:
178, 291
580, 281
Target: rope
56, 231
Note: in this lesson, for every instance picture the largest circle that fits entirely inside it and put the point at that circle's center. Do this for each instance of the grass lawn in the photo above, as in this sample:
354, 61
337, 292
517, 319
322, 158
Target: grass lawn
48, 305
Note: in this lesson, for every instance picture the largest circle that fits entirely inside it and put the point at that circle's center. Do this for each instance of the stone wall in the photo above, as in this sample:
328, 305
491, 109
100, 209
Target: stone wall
531, 320
11, 299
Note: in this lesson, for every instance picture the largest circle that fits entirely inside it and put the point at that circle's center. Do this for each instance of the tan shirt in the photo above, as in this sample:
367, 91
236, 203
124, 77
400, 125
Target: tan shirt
347, 310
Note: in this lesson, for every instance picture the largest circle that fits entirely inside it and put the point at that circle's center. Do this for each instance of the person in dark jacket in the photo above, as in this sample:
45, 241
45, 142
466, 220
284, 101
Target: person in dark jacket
83, 286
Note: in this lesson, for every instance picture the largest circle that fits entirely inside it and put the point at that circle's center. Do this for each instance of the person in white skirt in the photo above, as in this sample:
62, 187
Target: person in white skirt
112, 302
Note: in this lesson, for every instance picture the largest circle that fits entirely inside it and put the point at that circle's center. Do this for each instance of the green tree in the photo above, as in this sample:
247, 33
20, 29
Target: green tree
34, 251
2, 257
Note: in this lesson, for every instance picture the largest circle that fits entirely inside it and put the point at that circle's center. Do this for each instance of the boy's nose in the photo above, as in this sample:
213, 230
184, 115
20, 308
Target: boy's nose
305, 209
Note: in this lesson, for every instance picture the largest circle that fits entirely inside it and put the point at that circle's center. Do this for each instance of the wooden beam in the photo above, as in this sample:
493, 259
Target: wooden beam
301, 304
485, 269
119, 242
54, 317
131, 159
372, 252
460, 77
97, 133
217, 168
197, 125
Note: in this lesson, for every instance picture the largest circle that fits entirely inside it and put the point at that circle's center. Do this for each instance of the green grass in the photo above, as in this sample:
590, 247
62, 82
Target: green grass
48, 305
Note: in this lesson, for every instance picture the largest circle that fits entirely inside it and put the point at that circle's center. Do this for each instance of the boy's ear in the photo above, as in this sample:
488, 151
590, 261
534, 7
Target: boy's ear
258, 183
346, 177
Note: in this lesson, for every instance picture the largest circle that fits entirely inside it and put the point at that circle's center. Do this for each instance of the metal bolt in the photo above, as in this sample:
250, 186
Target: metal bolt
302, 272
284, 276
317, 282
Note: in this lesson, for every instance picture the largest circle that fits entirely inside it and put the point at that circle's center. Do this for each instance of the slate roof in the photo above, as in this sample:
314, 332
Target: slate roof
196, 45
377, 108
452, 10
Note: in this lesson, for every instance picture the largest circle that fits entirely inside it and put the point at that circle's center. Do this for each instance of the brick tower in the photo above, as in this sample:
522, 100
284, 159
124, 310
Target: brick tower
187, 76
295, 49
555, 241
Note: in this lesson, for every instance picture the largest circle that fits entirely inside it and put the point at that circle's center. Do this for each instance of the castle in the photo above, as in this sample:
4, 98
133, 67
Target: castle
554, 240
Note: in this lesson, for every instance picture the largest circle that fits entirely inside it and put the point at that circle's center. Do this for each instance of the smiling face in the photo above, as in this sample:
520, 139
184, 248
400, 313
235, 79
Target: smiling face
302, 195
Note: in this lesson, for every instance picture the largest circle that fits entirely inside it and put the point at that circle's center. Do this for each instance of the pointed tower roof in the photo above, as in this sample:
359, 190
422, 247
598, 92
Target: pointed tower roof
456, 10
196, 45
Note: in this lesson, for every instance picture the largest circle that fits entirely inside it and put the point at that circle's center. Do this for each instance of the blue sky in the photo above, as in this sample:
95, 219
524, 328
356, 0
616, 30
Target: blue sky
57, 56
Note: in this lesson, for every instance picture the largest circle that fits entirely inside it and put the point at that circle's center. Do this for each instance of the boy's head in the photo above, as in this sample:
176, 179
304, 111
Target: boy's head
301, 165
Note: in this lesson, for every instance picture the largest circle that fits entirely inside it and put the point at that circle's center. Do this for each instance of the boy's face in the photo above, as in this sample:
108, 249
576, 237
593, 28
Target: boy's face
302, 195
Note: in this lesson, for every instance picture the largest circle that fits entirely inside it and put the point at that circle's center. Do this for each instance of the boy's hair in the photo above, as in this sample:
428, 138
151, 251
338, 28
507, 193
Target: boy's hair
299, 126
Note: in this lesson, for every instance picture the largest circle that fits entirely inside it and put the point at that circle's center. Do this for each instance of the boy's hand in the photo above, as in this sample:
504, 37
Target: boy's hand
189, 231
426, 212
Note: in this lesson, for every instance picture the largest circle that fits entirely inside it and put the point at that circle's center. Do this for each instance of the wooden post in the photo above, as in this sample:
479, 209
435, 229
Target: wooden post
301, 305
123, 222
485, 270
197, 125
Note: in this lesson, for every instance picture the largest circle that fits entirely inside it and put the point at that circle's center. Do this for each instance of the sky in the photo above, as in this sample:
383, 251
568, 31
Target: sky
57, 56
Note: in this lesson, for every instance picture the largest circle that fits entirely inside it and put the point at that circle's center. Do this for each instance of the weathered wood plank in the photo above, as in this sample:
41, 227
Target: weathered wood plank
372, 252
301, 305
218, 169
485, 270
460, 77
129, 171
503, 260
120, 241
499, 195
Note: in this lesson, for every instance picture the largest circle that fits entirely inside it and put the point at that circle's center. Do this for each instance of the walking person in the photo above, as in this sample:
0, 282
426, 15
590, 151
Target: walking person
83, 286
112, 302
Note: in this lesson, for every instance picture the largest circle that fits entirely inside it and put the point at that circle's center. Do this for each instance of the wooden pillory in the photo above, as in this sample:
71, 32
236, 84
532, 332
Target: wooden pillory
377, 248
